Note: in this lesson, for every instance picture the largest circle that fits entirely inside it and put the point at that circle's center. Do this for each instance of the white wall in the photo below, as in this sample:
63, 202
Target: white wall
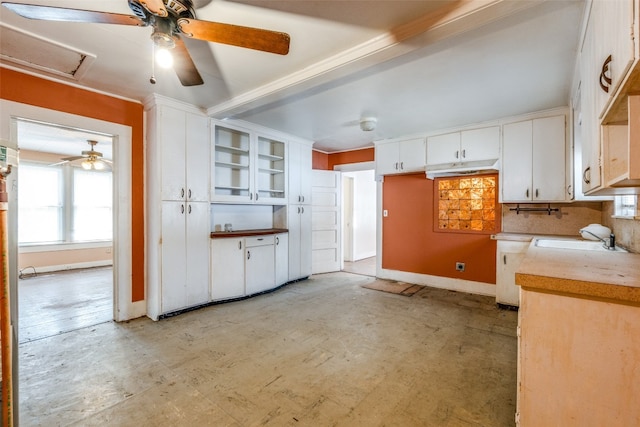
364, 214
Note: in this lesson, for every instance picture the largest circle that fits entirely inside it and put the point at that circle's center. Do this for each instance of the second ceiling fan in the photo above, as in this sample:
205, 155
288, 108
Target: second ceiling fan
169, 21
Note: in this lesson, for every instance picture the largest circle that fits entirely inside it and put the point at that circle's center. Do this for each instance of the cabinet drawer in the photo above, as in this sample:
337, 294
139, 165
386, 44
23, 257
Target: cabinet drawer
250, 242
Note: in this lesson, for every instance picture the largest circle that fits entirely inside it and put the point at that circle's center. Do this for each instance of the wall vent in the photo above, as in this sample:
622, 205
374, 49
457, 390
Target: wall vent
35, 52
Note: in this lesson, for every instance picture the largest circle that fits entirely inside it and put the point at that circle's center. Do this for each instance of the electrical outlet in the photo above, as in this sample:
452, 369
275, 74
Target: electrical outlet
459, 266
385, 213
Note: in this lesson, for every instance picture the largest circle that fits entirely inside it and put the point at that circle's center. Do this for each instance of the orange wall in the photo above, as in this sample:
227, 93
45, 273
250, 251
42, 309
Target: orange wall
326, 161
26, 89
354, 156
319, 160
411, 244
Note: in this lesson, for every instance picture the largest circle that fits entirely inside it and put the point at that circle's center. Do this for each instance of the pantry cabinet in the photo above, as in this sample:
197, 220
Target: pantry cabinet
468, 146
247, 167
178, 224
400, 156
534, 161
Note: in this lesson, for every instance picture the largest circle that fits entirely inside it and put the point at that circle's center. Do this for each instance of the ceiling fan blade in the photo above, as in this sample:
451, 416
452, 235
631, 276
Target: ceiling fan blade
184, 66
59, 163
50, 13
106, 161
236, 35
71, 159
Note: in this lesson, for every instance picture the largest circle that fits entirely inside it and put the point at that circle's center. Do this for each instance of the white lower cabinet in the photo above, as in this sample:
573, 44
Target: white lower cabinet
259, 264
185, 255
227, 268
509, 256
242, 266
300, 255
282, 258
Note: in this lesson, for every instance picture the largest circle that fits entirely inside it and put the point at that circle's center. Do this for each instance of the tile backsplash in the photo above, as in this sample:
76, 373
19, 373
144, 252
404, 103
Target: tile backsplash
570, 218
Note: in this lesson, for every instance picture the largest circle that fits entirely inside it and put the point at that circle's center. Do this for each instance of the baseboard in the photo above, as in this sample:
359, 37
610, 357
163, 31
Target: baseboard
64, 267
459, 285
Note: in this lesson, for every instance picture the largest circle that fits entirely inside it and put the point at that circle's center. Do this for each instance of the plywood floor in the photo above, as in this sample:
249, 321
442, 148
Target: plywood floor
53, 303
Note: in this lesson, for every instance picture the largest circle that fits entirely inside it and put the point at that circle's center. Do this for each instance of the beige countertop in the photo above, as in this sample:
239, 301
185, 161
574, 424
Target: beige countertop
590, 274
247, 233
525, 237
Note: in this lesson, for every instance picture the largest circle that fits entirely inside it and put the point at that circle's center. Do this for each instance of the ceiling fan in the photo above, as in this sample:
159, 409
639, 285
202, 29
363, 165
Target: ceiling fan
170, 19
92, 159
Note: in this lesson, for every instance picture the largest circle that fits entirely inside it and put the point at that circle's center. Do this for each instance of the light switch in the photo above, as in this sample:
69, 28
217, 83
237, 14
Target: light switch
385, 212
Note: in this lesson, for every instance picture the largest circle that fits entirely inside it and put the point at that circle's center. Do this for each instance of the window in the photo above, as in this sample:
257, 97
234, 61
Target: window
625, 206
63, 204
40, 195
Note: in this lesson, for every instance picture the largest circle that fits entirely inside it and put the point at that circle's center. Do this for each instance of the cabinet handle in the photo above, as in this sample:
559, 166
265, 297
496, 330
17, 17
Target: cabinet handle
569, 189
396, 166
527, 193
240, 244
298, 209
260, 239
457, 154
302, 199
181, 192
464, 153
504, 259
299, 198
189, 209
605, 79
277, 240
248, 254
401, 165
257, 197
302, 209
586, 175
250, 196
189, 194
181, 208
536, 193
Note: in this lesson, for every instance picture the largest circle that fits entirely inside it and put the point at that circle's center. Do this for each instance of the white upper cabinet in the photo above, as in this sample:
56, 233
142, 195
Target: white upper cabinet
468, 146
247, 167
534, 161
183, 141
300, 165
400, 156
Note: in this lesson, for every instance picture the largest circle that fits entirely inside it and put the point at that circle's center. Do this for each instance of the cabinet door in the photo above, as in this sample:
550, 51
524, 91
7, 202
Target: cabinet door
171, 134
299, 169
174, 250
480, 144
282, 259
549, 162
271, 176
517, 162
413, 155
197, 246
443, 149
227, 268
509, 256
293, 219
197, 158
306, 254
259, 268
387, 158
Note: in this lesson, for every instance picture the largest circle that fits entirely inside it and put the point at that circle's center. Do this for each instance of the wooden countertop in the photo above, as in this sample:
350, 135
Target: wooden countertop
591, 274
246, 233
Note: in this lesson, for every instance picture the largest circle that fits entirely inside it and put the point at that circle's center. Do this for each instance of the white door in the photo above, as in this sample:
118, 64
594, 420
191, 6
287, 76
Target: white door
480, 144
227, 268
259, 268
387, 158
173, 152
517, 162
197, 158
347, 218
326, 240
443, 149
549, 160
413, 154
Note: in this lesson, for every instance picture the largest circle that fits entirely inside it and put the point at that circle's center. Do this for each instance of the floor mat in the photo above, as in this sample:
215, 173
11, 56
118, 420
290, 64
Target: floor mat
400, 288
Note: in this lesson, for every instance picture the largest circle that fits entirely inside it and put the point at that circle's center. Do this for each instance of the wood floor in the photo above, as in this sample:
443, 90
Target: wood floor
54, 303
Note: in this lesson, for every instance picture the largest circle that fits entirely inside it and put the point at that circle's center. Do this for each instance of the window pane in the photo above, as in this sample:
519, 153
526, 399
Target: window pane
625, 206
40, 204
92, 200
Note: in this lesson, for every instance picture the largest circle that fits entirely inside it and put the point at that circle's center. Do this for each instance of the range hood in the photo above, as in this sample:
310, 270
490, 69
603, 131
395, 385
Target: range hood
463, 168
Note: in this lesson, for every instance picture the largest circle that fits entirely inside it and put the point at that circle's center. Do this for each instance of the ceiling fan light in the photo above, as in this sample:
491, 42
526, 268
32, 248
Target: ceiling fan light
164, 58
98, 165
368, 124
86, 164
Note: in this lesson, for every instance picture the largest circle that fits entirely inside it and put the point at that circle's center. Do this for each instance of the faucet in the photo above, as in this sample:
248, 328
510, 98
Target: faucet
611, 244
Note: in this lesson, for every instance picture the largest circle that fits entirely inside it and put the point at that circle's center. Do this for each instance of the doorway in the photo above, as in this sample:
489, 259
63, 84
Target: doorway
65, 228
359, 220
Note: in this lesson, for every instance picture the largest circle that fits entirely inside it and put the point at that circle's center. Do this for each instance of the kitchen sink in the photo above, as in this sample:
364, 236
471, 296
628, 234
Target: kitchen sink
581, 245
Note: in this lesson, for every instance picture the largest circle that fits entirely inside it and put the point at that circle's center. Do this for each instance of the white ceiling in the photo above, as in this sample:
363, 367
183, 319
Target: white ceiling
418, 66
